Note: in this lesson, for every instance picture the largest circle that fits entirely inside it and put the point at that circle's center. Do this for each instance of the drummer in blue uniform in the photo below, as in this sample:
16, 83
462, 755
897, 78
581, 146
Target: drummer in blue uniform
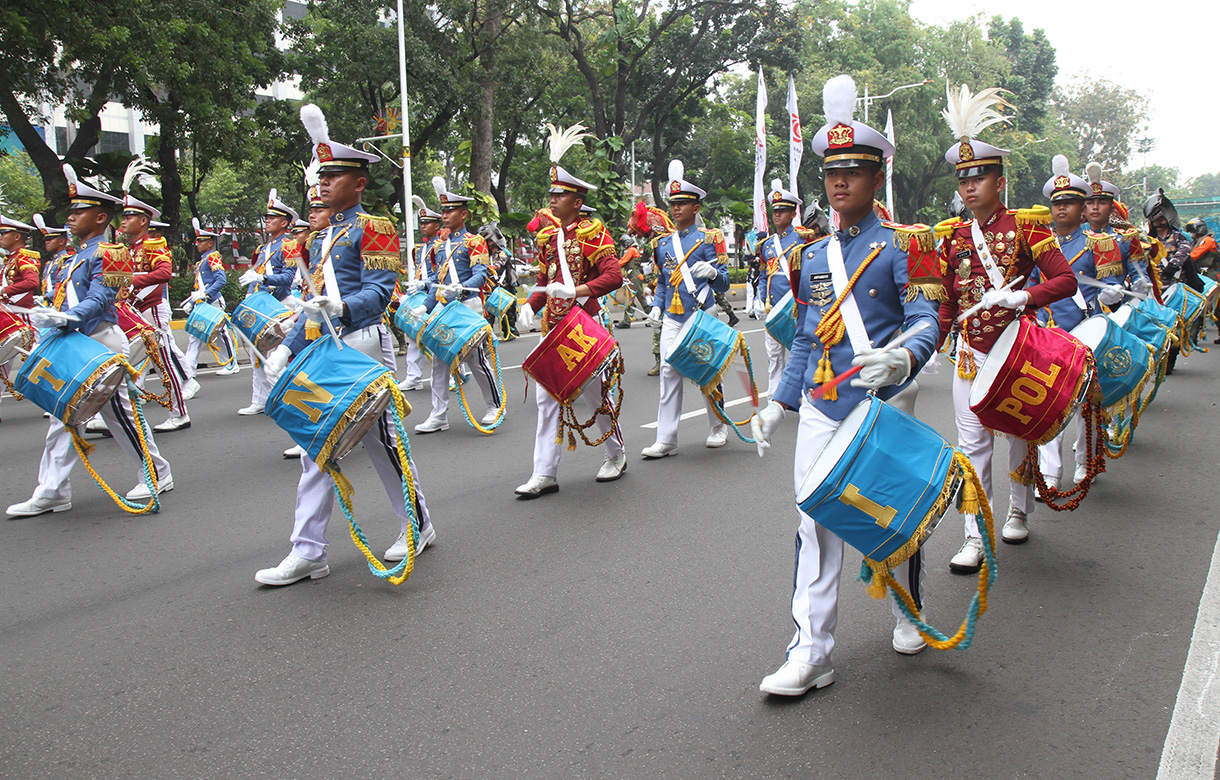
1067, 193
691, 267
1117, 251
462, 265
273, 270
424, 253
854, 288
210, 282
85, 291
776, 258
355, 264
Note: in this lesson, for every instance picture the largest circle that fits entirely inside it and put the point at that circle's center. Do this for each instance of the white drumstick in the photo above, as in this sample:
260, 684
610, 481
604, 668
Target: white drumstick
314, 292
1089, 281
978, 306
24, 310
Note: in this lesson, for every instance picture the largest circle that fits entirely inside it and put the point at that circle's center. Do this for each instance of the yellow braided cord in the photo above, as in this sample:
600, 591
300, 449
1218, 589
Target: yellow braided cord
216, 354
83, 449
457, 380
831, 329
152, 351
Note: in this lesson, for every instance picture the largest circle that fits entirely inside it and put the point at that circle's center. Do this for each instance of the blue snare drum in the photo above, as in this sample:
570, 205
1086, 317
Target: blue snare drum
1146, 327
402, 318
263, 320
1169, 318
703, 349
70, 375
883, 480
327, 399
498, 302
452, 332
1186, 301
205, 322
781, 321
1124, 361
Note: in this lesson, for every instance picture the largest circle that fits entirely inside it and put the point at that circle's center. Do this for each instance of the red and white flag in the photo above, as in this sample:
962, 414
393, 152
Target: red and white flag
760, 157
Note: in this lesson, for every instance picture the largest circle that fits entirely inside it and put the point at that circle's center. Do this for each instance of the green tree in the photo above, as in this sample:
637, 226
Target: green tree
1104, 118
21, 192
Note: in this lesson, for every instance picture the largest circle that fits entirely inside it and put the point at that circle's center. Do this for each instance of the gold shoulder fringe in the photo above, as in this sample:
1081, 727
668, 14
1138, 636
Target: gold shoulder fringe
945, 228
921, 234
380, 225
931, 291
589, 228
1034, 215
381, 261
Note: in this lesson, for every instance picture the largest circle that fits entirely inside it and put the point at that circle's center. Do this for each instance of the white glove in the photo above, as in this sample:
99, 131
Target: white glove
1142, 286
452, 292
1111, 295
198, 295
323, 306
418, 313
646, 268
763, 425
525, 317
760, 310
276, 362
44, 317
250, 277
416, 285
654, 315
1008, 299
292, 302
187, 305
704, 270
560, 290
881, 367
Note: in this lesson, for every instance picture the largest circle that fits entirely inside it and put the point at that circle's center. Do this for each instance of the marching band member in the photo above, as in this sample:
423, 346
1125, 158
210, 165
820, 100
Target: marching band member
19, 274
652, 224
775, 260
56, 249
424, 252
86, 290
154, 267
979, 257
462, 267
595, 271
1114, 251
856, 288
355, 264
210, 281
691, 265
273, 272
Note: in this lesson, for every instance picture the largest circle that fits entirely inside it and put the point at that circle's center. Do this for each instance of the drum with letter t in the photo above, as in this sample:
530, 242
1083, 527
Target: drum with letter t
71, 376
1032, 381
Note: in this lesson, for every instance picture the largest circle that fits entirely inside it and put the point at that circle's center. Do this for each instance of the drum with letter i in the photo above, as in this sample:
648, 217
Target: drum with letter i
451, 333
263, 320
402, 318
1031, 383
205, 321
15, 333
498, 303
142, 335
327, 399
882, 483
703, 351
781, 321
71, 376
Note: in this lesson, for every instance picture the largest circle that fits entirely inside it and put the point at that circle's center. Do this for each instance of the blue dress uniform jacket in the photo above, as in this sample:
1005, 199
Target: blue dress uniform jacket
881, 295
365, 278
468, 253
95, 299
278, 270
214, 279
773, 283
1066, 312
699, 244
424, 257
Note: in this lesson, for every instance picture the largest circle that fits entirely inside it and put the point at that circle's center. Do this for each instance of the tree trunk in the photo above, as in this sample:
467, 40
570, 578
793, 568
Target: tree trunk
482, 132
171, 176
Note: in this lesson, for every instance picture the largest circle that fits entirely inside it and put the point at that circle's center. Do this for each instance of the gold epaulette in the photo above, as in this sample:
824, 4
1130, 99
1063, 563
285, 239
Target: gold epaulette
374, 224
807, 236
1128, 234
921, 234
1034, 215
118, 267
589, 228
714, 233
545, 235
945, 228
1099, 242
156, 244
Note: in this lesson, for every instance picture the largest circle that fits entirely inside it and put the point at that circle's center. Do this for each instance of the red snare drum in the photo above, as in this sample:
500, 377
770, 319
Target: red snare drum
573, 352
14, 331
1032, 381
134, 327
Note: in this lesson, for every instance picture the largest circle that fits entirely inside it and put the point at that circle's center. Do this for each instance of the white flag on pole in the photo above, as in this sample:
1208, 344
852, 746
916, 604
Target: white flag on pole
796, 143
760, 156
889, 166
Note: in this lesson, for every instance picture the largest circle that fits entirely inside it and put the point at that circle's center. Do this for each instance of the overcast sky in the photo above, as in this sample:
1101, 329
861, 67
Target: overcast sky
1105, 40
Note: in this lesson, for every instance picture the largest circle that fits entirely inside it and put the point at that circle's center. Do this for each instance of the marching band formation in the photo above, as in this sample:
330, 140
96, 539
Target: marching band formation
1056, 318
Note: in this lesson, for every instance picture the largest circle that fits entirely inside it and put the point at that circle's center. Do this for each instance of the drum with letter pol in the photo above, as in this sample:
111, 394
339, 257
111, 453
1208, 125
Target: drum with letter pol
1032, 381
263, 320
781, 321
71, 376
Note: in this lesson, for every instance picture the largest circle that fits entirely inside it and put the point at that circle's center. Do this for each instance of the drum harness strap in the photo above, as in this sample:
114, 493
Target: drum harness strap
461, 385
832, 328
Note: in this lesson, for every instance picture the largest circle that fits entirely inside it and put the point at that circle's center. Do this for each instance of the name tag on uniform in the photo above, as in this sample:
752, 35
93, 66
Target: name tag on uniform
821, 289
962, 255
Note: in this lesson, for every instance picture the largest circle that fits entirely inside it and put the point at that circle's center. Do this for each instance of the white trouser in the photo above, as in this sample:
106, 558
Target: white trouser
819, 555
481, 366
171, 357
546, 450
978, 442
1050, 455
777, 361
59, 456
193, 345
414, 361
749, 298
669, 410
260, 385
315, 490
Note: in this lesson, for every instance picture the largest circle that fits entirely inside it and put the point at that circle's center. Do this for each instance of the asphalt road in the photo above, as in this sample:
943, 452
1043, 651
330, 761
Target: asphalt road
610, 630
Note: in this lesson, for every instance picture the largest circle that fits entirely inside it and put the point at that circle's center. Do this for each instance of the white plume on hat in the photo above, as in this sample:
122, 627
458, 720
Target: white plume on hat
776, 184
136, 169
315, 123
195, 224
1093, 172
311, 172
968, 114
70, 174
1059, 165
839, 100
560, 141
676, 170
273, 196
418, 202
40, 223
438, 184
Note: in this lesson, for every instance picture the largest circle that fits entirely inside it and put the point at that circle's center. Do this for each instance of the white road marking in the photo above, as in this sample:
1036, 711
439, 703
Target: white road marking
1194, 732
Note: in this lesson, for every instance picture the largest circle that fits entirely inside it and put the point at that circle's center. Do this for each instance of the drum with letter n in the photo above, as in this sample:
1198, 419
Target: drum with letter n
1032, 381
327, 399
574, 351
781, 321
71, 376
263, 320
205, 321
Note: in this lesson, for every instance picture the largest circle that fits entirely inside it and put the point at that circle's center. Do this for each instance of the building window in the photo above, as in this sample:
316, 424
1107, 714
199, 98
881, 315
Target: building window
61, 140
112, 142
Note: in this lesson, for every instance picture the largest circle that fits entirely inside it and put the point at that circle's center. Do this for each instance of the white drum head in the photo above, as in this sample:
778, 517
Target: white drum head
680, 337
830, 455
1122, 315
994, 362
1092, 332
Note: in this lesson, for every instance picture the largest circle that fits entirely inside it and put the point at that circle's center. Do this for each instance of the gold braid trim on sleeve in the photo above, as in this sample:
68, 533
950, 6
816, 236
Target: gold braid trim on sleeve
379, 225
922, 235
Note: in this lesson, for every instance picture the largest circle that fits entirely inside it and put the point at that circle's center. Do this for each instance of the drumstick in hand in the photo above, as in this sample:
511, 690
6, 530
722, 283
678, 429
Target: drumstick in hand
314, 292
24, 310
978, 306
1089, 281
895, 343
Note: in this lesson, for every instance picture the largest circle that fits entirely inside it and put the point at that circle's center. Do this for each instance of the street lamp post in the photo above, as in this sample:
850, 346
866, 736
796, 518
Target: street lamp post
868, 99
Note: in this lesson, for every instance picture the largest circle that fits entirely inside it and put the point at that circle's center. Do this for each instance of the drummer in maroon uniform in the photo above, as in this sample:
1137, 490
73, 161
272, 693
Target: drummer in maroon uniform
980, 258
